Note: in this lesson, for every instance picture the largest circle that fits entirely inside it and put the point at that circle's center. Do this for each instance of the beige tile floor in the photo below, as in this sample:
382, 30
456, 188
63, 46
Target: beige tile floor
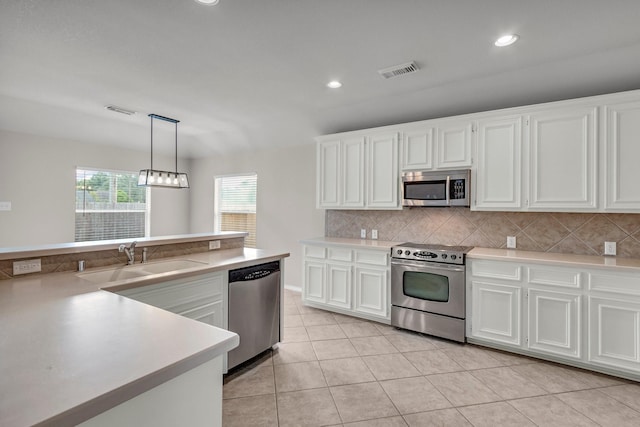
335, 370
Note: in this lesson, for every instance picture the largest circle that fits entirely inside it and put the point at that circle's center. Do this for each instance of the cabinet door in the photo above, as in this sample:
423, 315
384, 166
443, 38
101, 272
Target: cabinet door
554, 323
313, 288
382, 175
496, 312
499, 165
622, 151
417, 149
328, 174
212, 314
353, 173
371, 291
339, 285
614, 332
563, 172
453, 148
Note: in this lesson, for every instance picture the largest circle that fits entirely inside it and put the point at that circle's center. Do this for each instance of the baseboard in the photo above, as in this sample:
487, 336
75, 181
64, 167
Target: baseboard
293, 288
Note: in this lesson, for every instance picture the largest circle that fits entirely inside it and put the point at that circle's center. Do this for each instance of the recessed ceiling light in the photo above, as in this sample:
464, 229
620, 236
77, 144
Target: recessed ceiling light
507, 40
208, 2
334, 84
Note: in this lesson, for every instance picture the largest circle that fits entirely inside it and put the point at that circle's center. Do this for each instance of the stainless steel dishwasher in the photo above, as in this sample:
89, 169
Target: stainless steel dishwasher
254, 310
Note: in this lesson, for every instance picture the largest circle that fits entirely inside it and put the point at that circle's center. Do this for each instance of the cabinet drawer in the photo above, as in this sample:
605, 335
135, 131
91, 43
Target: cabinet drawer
496, 270
621, 283
179, 295
340, 254
554, 277
315, 252
372, 257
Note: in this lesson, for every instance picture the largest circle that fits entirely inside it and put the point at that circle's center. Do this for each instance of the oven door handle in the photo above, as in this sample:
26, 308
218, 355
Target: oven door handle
427, 265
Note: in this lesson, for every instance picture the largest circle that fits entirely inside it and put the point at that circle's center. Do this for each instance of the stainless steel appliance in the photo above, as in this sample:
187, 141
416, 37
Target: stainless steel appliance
442, 188
428, 289
254, 310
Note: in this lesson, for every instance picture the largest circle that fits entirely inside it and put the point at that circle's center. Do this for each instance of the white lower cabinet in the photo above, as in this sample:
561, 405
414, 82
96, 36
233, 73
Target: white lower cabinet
575, 314
371, 291
339, 278
201, 297
554, 323
614, 332
496, 312
347, 280
314, 279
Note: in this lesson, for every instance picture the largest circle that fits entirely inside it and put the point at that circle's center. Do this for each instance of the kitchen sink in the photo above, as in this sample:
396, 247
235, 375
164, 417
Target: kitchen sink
138, 270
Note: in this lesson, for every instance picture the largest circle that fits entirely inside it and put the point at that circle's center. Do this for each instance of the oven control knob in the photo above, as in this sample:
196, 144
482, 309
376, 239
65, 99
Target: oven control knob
399, 251
453, 257
444, 256
407, 252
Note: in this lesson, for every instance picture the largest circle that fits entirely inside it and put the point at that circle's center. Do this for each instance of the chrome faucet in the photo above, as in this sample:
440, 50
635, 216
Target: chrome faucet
130, 251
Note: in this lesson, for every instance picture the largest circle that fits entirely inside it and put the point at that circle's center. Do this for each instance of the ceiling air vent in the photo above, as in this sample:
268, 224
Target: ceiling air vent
398, 70
119, 110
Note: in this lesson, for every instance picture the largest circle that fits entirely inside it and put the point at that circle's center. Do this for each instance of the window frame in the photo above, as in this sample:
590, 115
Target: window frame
147, 214
217, 214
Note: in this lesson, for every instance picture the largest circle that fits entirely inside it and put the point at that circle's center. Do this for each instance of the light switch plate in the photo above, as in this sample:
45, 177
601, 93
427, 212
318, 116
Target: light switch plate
609, 248
214, 244
363, 233
374, 234
5, 206
511, 242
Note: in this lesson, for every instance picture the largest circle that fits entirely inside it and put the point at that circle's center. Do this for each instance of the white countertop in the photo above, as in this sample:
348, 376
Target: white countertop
357, 243
70, 351
514, 255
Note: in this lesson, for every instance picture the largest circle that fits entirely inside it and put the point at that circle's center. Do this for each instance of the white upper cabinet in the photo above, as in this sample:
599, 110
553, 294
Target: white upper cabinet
621, 152
453, 148
562, 159
568, 156
417, 149
499, 165
353, 170
383, 171
328, 166
358, 172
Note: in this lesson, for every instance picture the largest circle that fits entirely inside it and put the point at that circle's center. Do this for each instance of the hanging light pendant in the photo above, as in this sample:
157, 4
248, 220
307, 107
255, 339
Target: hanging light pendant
157, 178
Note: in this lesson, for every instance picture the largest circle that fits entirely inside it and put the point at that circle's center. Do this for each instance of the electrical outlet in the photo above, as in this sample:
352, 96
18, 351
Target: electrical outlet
511, 242
374, 234
27, 266
363, 233
214, 244
609, 248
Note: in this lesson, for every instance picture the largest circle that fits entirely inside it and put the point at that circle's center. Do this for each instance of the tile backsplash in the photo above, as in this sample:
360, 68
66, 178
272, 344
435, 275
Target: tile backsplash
574, 233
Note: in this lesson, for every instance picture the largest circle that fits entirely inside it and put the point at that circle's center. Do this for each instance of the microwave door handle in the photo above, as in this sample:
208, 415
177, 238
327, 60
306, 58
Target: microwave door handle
447, 192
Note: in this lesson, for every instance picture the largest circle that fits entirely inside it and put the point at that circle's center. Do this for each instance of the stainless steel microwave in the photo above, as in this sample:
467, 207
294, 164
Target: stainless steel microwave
437, 188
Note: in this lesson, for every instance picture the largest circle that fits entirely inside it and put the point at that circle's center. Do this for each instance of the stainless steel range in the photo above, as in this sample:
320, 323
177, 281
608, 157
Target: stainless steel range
428, 289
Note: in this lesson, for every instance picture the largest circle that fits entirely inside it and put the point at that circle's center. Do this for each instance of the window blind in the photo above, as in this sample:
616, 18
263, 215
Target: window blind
235, 205
109, 205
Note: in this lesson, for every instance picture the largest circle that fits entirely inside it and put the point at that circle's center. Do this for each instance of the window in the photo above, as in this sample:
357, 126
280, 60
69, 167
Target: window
235, 205
110, 205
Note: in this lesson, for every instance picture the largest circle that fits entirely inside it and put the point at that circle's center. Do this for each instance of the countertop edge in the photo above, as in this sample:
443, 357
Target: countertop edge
354, 243
81, 247
117, 396
557, 259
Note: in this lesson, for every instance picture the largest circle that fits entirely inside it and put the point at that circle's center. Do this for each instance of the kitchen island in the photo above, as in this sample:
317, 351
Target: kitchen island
73, 352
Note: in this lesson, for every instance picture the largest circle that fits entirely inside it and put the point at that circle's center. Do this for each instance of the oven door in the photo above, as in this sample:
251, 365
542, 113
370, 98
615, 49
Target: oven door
430, 287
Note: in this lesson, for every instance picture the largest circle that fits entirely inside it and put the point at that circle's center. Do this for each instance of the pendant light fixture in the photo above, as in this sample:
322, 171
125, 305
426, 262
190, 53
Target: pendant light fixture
157, 178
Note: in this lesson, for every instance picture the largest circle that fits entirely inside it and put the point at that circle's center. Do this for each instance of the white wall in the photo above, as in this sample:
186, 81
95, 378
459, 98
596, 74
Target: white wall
286, 210
37, 175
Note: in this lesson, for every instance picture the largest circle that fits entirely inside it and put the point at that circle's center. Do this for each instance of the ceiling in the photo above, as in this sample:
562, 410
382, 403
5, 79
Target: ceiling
248, 74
